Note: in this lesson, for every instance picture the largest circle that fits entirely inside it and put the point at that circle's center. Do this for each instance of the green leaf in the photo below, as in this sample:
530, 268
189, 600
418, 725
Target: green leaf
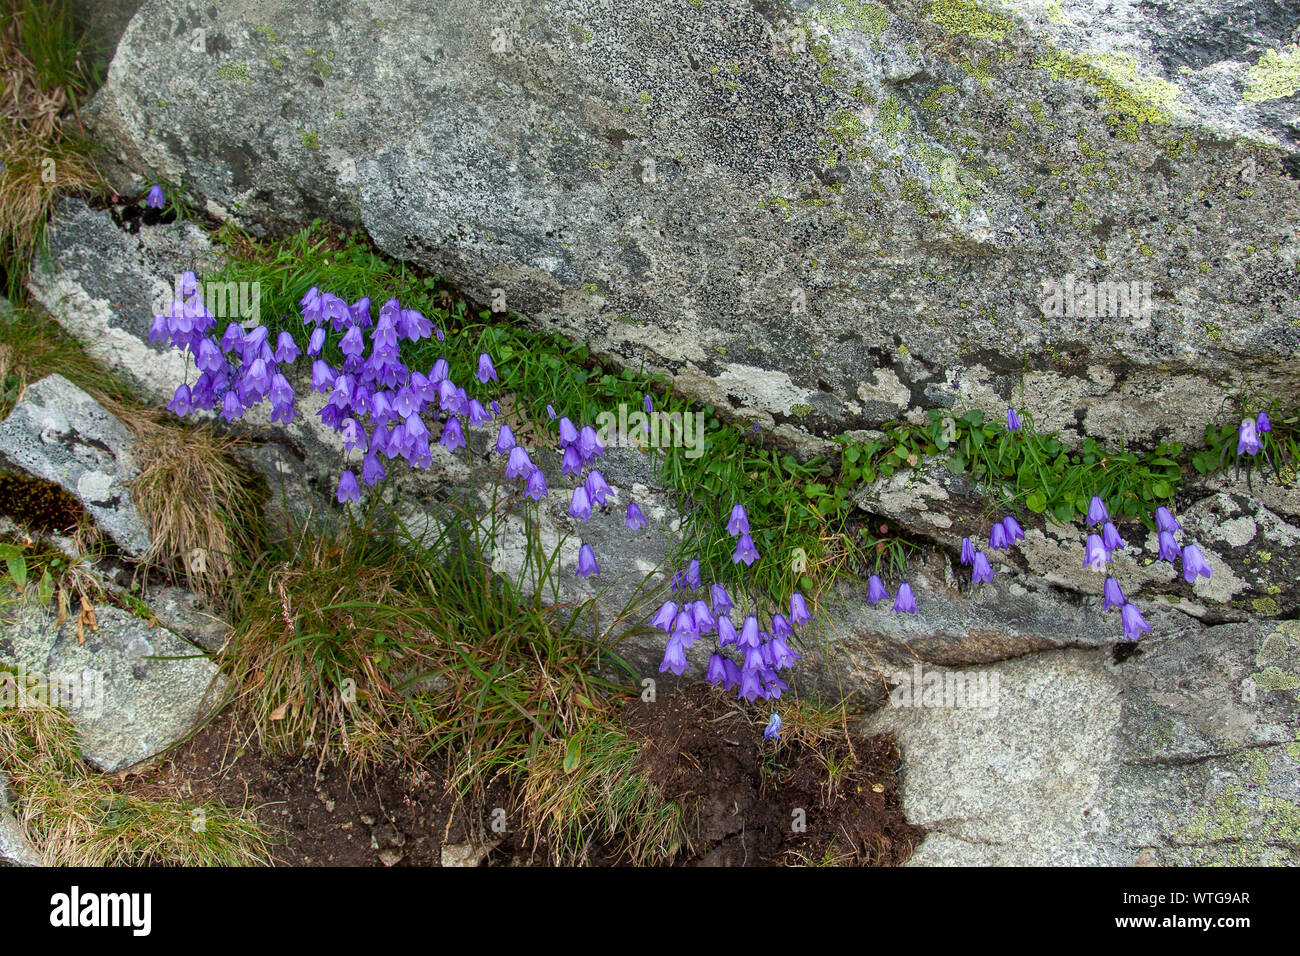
1036, 502
9, 551
46, 587
573, 754
1064, 511
1161, 489
18, 571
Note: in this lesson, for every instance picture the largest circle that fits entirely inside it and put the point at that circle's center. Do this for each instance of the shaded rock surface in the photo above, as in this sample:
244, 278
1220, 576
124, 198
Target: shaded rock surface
59, 433
131, 690
15, 848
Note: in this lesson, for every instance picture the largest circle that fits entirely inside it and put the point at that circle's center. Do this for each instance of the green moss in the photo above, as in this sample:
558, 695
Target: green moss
801, 411
310, 138
931, 101
969, 18
1275, 76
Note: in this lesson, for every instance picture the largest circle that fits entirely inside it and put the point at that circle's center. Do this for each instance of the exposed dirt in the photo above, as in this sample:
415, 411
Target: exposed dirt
833, 800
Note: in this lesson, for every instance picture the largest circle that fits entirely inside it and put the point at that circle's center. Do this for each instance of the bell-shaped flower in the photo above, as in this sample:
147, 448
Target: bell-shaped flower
1095, 555
726, 631
348, 490
738, 523
998, 537
876, 591
748, 633
587, 562
519, 464
597, 488
674, 657
155, 198
1169, 550
635, 520
1247, 438
535, 487
981, 570
1014, 531
716, 673
967, 551
905, 602
798, 609
580, 504
486, 370
773, 729
664, 617
1262, 424
1110, 538
1134, 624
286, 349
180, 403
1165, 520
1013, 420
745, 551
505, 439
1097, 510
1194, 563
1114, 597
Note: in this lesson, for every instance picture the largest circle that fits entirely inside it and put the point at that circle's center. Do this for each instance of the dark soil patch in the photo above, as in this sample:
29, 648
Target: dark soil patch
396, 816
832, 799
799, 800
41, 505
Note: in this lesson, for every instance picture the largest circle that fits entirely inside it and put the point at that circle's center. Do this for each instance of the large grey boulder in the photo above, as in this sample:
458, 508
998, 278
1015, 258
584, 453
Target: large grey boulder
815, 215
131, 690
15, 848
1185, 753
60, 434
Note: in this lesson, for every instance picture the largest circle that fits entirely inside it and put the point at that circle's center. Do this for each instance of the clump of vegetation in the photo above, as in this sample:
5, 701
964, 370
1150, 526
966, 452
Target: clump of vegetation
75, 817
43, 150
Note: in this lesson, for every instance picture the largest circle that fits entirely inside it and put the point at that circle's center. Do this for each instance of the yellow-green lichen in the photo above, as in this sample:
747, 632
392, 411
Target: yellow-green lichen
869, 18
1131, 97
1275, 76
233, 71
310, 138
969, 18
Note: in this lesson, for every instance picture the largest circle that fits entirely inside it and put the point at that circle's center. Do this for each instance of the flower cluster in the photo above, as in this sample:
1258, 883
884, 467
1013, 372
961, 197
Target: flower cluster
237, 371
381, 408
763, 652
904, 602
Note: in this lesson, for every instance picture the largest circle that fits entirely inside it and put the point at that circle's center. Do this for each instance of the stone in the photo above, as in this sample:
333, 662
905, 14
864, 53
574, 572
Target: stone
15, 848
816, 215
60, 434
1191, 745
131, 690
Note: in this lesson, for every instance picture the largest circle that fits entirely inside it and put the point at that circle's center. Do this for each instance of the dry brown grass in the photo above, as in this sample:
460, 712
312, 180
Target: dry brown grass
42, 146
77, 818
197, 502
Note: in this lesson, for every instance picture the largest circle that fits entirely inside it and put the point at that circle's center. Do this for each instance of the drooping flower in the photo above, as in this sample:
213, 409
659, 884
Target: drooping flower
1134, 624
1169, 550
876, 590
486, 370
1014, 531
745, 551
726, 631
572, 462
535, 487
478, 415
519, 464
452, 435
317, 341
550, 411
773, 729
286, 349
781, 627
693, 574
967, 551
1097, 510
716, 673
1262, 424
703, 619
568, 433
635, 519
1114, 597
587, 562
1194, 563
1095, 555
798, 609
372, 472
1110, 538
1247, 438
674, 657
597, 488
580, 504
155, 198
181, 402
649, 405
738, 523
589, 443
780, 653
748, 632
665, 616
1165, 520
981, 570
720, 599
1013, 420
231, 409
348, 490
751, 685
905, 602
505, 439
998, 537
